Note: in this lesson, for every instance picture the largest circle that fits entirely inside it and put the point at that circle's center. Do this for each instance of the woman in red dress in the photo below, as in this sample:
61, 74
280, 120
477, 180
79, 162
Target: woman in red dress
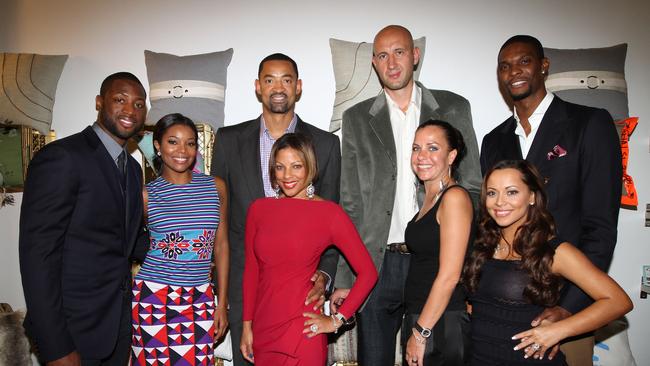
285, 237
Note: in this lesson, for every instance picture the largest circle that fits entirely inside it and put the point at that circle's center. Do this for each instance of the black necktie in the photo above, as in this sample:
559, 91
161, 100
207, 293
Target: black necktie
121, 165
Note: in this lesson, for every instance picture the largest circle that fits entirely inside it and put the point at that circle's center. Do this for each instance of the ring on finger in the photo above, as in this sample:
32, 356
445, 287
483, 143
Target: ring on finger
535, 347
314, 328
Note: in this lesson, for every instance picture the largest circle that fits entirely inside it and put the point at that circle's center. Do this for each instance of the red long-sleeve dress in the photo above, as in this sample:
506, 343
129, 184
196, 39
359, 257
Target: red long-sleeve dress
284, 241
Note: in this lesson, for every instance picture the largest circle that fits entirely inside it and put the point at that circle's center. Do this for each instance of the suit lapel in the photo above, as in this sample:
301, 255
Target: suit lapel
429, 106
106, 165
380, 125
509, 146
133, 198
552, 126
249, 150
301, 127
108, 169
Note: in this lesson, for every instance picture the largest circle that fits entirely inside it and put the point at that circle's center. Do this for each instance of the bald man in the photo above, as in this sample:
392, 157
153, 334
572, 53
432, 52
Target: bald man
379, 190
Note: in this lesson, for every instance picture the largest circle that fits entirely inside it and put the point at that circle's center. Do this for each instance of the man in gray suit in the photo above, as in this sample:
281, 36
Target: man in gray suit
378, 189
241, 158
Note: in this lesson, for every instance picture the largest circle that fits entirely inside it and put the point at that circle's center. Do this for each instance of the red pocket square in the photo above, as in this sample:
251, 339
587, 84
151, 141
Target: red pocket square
557, 152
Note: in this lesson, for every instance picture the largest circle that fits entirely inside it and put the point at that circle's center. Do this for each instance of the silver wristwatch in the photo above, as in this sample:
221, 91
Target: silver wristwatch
424, 332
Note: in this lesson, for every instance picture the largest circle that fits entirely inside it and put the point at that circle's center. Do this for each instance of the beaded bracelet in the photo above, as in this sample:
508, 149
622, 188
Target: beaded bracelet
335, 322
418, 339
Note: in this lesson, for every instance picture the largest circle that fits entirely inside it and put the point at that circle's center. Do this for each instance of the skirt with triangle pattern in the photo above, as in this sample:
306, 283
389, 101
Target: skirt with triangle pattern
172, 325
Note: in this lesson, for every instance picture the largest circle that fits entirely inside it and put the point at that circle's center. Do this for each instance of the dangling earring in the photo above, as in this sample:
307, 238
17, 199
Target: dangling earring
310, 191
442, 184
276, 191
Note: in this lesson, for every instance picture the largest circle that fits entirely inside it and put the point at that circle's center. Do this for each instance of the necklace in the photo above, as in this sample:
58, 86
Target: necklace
502, 247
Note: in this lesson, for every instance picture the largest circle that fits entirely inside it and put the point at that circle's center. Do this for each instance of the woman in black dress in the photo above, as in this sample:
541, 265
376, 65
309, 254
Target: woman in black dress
436, 326
517, 268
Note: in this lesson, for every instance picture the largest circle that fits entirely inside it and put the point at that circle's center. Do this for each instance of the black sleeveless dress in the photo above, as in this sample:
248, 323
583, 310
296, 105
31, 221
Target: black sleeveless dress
499, 311
449, 343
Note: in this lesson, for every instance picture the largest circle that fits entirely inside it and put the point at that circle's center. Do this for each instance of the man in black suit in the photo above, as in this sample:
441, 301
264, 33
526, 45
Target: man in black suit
241, 158
80, 216
576, 149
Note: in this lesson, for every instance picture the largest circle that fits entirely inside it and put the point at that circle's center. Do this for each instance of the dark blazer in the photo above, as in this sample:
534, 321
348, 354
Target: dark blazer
76, 234
369, 167
583, 187
236, 159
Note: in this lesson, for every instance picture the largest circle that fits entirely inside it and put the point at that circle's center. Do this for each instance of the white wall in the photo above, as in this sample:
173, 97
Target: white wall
463, 38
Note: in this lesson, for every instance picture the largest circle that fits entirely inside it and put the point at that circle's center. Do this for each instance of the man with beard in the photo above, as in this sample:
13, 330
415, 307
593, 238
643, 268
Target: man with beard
241, 158
577, 151
380, 191
80, 217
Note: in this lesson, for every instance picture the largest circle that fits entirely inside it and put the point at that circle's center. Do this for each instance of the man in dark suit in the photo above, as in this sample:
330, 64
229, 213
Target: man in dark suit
80, 216
576, 149
378, 186
241, 158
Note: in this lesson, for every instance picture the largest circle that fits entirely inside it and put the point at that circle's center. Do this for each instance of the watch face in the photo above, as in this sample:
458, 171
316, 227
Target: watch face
426, 333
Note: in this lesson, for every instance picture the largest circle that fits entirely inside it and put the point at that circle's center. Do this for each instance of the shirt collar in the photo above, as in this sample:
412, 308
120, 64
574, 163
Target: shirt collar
114, 149
536, 118
290, 129
416, 99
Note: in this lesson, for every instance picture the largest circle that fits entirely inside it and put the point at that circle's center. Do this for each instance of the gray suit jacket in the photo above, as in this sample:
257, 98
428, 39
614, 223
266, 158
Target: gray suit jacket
368, 166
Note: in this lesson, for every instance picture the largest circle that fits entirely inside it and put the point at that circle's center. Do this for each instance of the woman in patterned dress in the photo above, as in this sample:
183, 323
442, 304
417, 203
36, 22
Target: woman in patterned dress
173, 311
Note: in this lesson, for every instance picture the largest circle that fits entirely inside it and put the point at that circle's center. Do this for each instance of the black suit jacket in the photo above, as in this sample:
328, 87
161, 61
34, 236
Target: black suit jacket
236, 159
76, 235
583, 187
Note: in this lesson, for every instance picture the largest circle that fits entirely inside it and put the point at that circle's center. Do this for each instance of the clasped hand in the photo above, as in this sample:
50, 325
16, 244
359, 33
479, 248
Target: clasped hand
544, 336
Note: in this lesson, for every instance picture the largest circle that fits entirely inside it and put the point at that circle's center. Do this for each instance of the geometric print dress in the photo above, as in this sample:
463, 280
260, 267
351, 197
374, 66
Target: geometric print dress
173, 302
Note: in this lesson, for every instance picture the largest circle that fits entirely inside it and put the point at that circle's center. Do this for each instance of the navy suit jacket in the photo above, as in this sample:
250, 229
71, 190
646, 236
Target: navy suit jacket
583, 187
78, 229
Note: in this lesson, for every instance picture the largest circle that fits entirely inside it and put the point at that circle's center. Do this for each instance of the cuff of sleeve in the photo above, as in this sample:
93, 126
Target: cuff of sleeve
54, 348
574, 301
328, 283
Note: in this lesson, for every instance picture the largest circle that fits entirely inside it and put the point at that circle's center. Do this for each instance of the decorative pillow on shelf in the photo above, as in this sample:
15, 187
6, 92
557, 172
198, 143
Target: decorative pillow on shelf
193, 85
29, 84
596, 77
355, 77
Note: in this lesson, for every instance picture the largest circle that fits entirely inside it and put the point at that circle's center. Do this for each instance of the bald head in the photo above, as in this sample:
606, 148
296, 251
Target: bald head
394, 59
395, 31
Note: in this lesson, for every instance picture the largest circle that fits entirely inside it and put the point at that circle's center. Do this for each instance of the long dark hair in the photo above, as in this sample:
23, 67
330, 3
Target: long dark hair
163, 125
531, 240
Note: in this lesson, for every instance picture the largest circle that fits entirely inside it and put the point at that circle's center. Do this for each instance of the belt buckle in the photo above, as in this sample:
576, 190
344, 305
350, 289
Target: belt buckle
398, 248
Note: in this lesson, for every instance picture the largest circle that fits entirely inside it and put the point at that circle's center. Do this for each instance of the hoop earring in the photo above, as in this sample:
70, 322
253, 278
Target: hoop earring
310, 191
158, 153
276, 191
